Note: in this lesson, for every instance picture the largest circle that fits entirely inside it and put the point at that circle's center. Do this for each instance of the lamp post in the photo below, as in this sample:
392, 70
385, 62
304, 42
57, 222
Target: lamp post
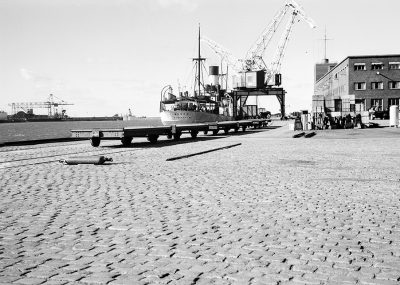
378, 73
390, 80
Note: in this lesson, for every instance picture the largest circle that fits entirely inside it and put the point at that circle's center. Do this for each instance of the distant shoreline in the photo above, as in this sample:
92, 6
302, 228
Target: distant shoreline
78, 119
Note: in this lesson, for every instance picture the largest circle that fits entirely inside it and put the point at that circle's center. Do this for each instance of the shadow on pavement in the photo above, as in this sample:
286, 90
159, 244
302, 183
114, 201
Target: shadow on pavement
185, 139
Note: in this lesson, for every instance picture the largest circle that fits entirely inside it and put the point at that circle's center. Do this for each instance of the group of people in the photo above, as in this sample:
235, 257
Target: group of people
329, 122
190, 107
371, 112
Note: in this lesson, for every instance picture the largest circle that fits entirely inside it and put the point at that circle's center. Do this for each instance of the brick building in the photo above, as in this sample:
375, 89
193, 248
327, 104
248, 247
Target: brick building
358, 83
323, 68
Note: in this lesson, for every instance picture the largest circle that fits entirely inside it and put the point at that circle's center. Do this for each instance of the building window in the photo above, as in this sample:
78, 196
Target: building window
359, 86
377, 66
394, 84
376, 85
359, 66
394, 65
377, 104
394, 101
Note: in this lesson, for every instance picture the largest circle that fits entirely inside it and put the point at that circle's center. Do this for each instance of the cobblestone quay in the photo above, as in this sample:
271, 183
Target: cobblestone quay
273, 210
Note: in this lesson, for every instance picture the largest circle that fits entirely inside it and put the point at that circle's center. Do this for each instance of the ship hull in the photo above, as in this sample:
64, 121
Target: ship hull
190, 117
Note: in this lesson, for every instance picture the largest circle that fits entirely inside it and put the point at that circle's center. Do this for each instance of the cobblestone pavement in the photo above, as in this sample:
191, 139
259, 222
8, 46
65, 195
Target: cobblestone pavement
273, 210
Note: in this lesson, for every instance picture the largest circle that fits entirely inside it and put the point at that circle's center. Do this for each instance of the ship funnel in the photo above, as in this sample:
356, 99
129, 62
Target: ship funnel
214, 75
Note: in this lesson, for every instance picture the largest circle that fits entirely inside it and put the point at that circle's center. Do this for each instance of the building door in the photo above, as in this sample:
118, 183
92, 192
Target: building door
338, 105
377, 104
360, 105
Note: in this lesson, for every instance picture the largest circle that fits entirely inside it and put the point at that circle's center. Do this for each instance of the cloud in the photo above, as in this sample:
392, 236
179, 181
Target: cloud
41, 81
187, 5
30, 75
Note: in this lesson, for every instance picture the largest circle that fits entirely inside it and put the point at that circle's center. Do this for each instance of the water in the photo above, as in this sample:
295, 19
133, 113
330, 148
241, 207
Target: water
26, 131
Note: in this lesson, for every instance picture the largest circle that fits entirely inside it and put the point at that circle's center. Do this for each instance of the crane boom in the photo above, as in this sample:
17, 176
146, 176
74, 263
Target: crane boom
254, 55
280, 51
302, 14
253, 58
276, 63
224, 54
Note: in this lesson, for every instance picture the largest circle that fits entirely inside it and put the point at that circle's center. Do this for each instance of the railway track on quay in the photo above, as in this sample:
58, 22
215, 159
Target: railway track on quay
42, 154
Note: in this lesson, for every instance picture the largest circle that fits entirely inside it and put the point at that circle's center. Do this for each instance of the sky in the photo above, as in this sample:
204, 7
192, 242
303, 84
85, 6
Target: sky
108, 56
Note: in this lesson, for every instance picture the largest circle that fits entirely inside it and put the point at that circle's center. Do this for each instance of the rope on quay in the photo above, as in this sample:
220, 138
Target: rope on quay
202, 152
53, 158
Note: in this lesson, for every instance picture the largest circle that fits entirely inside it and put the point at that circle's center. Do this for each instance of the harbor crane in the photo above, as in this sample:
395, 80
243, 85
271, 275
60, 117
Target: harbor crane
254, 57
256, 78
254, 60
51, 105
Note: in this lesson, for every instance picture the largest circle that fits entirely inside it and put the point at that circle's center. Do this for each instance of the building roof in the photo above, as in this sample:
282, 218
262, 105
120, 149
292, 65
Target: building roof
373, 56
359, 56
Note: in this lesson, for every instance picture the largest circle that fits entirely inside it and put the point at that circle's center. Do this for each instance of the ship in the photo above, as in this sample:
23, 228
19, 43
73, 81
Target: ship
208, 102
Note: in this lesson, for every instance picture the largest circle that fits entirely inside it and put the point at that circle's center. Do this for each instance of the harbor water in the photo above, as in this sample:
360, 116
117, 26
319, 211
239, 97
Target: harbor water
26, 131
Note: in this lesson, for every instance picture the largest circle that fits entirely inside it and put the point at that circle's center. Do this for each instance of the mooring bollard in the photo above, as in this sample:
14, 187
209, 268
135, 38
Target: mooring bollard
394, 116
97, 160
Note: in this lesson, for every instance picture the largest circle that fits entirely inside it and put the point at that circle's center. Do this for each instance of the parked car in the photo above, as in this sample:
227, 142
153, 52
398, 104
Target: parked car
265, 115
383, 115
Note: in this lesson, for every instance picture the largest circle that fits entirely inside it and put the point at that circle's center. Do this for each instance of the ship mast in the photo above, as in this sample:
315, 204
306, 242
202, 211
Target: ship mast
198, 60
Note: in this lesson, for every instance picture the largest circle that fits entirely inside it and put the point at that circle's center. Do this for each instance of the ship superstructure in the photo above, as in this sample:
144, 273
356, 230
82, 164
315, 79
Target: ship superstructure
206, 103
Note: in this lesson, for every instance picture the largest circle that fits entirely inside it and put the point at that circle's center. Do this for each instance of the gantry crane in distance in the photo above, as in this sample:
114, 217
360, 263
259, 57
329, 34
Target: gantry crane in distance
51, 105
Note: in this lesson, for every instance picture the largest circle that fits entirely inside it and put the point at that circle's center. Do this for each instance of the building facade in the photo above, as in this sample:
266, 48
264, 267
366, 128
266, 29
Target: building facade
323, 68
359, 83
